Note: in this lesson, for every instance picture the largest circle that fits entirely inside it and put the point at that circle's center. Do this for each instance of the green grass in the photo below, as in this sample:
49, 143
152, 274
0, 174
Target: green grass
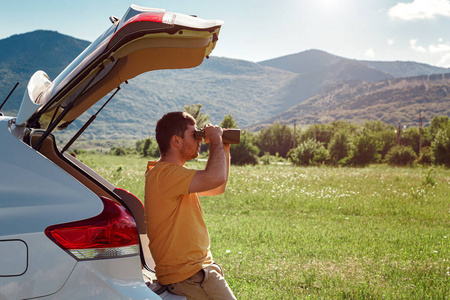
285, 232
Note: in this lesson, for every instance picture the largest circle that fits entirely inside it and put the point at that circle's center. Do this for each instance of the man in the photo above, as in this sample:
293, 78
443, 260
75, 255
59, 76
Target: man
179, 239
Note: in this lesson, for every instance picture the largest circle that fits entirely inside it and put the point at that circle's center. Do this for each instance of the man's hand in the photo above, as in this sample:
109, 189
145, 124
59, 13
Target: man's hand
213, 134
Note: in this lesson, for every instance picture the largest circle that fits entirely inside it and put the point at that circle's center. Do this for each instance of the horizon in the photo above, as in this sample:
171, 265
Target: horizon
274, 58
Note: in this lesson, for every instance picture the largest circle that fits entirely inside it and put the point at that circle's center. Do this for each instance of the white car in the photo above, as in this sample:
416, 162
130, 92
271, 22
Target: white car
66, 232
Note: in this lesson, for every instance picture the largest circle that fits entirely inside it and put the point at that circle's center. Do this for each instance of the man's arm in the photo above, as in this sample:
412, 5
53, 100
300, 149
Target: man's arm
216, 172
219, 190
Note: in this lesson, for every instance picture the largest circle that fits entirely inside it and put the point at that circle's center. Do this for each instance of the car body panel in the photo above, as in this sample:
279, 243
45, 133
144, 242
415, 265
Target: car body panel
36, 194
41, 277
13, 257
100, 279
36, 191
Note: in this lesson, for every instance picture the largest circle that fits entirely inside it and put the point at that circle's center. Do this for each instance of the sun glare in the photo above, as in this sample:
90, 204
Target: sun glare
329, 3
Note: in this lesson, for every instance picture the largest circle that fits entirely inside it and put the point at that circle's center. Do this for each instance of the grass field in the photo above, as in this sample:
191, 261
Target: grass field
284, 232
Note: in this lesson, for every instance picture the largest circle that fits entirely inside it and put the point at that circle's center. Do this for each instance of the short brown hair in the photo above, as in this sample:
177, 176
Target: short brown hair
172, 123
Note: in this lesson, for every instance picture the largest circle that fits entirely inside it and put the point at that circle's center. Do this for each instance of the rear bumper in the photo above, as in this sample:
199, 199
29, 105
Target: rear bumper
119, 278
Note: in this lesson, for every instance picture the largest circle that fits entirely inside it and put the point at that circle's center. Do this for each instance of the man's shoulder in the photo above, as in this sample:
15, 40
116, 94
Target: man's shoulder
167, 167
169, 178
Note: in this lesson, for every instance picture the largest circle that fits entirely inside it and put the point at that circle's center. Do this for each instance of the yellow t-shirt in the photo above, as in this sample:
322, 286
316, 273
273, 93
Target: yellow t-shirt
179, 239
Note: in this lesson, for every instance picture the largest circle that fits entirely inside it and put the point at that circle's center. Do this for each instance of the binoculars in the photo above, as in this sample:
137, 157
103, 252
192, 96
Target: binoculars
230, 136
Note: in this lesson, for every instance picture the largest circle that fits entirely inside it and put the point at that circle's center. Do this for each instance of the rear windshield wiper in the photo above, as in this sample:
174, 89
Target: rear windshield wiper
10, 93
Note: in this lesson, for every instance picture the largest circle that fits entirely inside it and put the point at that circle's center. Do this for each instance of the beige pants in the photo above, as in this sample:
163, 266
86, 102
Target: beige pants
208, 283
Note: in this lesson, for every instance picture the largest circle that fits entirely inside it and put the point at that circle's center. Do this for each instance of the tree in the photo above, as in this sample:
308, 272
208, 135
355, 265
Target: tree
318, 132
410, 137
383, 133
365, 149
195, 111
387, 141
139, 145
146, 147
229, 122
339, 146
342, 126
275, 139
441, 147
438, 123
377, 126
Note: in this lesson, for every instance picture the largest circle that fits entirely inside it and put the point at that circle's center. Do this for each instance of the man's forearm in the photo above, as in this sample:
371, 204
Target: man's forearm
216, 171
217, 161
221, 189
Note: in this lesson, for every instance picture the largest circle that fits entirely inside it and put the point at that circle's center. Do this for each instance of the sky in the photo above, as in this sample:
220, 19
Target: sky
258, 30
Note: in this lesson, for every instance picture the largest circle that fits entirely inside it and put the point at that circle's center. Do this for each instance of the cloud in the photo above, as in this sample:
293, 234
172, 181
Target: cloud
413, 44
390, 42
439, 48
440, 51
369, 53
444, 61
420, 10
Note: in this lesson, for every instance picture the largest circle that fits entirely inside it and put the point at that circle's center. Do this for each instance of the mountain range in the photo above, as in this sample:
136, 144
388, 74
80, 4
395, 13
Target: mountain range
309, 87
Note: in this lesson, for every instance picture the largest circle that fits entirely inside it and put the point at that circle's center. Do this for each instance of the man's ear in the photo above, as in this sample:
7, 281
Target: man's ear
175, 141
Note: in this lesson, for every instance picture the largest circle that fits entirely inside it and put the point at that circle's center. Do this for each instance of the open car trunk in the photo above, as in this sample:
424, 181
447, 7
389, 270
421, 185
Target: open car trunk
143, 40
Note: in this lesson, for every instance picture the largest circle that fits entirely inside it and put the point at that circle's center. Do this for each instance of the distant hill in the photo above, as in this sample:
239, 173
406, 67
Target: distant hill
254, 93
306, 85
315, 60
396, 101
304, 62
23, 54
318, 69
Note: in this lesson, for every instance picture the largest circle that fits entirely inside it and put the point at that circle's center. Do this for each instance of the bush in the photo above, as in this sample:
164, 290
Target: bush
308, 152
268, 159
401, 156
117, 151
425, 157
244, 153
148, 147
321, 155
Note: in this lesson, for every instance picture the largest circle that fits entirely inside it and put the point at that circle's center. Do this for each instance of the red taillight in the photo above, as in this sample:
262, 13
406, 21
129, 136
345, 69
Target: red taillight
110, 234
158, 16
149, 17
